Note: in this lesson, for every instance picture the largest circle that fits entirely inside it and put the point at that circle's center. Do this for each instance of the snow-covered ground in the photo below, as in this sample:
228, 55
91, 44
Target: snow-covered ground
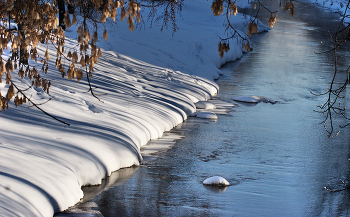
148, 80
337, 6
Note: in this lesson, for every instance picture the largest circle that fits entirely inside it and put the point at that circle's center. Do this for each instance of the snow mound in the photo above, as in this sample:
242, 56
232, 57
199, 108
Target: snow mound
216, 180
206, 115
246, 99
204, 105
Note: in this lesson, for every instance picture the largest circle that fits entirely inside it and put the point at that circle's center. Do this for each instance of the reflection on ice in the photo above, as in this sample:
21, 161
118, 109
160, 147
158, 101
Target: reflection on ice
215, 189
85, 208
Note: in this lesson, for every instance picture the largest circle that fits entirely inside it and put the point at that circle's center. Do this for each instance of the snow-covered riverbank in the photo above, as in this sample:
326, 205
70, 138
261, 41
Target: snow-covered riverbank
148, 82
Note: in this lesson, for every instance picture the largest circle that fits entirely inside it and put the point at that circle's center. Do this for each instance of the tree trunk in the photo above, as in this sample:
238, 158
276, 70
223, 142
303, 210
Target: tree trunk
23, 53
61, 12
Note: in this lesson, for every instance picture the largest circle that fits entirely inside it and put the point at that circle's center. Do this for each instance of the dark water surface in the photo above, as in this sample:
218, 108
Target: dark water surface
278, 157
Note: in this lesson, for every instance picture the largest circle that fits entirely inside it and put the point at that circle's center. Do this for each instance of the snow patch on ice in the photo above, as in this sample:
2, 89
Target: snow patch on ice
206, 115
205, 105
248, 99
216, 180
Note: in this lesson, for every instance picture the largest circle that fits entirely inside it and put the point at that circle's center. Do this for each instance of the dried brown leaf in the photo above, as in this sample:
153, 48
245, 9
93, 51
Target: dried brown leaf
105, 35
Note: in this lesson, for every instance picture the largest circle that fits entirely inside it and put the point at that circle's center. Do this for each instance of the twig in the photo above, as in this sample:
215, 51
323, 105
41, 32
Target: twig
36, 105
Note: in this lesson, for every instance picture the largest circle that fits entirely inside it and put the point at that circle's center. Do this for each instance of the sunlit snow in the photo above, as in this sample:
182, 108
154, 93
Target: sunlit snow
216, 180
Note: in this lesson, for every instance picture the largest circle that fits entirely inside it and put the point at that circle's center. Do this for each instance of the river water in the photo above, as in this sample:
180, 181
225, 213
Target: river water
277, 157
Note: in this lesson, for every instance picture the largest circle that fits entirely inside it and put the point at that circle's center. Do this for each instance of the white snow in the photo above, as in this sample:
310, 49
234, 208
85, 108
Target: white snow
337, 6
204, 105
206, 115
216, 180
148, 81
248, 99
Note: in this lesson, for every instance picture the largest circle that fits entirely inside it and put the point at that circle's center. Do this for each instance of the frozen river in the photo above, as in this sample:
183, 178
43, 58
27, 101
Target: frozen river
277, 157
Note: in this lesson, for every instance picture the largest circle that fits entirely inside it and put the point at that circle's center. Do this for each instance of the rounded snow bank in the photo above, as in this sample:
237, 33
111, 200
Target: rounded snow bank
44, 165
216, 180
